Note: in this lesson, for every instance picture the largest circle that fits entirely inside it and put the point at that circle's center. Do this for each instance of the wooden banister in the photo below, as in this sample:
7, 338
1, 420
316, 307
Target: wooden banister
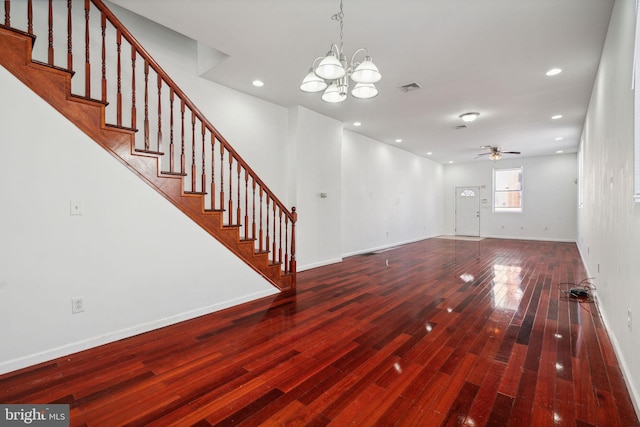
118, 82
165, 77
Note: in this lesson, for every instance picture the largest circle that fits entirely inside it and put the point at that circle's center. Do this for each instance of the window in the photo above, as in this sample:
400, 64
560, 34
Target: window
507, 190
468, 193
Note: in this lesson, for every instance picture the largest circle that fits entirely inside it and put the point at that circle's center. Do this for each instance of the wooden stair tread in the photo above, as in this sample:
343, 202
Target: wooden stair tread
120, 127
153, 152
169, 173
84, 98
54, 67
33, 37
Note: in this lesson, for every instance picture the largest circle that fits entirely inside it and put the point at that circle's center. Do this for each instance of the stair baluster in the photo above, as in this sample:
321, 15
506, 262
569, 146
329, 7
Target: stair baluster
147, 144
213, 172
119, 80
87, 50
103, 27
69, 31
246, 204
134, 112
50, 57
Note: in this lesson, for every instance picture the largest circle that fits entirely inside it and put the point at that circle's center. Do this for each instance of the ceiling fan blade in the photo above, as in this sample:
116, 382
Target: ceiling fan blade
484, 154
510, 152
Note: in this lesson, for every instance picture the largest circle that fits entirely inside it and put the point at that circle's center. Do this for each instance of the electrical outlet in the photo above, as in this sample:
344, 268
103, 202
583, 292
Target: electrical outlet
76, 207
77, 305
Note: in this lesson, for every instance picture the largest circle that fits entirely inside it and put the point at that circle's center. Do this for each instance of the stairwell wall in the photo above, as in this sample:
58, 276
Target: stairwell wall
138, 262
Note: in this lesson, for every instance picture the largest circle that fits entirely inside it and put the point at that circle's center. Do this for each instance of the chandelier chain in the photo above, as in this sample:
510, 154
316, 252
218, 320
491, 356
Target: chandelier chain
339, 17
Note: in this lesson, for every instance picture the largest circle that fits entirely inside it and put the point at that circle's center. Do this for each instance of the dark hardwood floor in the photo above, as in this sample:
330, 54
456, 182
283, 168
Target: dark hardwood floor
448, 333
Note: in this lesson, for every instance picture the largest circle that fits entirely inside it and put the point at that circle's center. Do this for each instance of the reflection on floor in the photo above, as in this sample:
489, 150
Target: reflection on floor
467, 238
438, 332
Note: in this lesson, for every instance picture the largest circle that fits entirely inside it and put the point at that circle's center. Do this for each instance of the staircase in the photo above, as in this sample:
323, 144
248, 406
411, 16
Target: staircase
95, 73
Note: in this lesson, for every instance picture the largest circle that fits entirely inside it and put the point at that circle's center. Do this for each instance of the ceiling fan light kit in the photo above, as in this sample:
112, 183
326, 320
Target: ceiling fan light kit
495, 153
333, 73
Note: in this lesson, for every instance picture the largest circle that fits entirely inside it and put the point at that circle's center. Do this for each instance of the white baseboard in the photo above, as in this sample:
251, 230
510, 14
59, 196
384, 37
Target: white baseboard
67, 349
387, 246
319, 264
541, 239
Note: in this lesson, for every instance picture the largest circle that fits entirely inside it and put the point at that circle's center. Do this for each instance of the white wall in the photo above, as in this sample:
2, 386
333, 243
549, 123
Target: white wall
609, 221
389, 196
137, 260
549, 197
316, 142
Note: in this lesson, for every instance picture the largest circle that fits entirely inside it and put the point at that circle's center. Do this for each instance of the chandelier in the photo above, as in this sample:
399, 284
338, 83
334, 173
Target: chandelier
331, 73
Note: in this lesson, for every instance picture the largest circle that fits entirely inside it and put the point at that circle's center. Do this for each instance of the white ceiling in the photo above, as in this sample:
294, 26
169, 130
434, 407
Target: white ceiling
488, 56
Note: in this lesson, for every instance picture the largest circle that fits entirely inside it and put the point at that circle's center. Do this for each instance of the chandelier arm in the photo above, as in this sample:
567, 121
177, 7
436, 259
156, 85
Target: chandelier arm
362, 49
313, 64
338, 50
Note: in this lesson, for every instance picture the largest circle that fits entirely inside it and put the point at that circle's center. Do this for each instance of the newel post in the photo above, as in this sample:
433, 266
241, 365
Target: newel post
294, 218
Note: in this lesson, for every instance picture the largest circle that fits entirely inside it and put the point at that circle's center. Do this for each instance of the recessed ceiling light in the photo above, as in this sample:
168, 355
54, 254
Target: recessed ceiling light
554, 72
357, 124
450, 161
556, 117
429, 153
469, 117
559, 152
398, 140
558, 138
258, 83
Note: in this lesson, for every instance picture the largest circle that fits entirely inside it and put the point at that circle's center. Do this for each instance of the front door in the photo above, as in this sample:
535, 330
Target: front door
467, 211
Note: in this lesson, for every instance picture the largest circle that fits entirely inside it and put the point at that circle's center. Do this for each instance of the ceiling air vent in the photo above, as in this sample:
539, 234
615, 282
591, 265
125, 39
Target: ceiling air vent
409, 87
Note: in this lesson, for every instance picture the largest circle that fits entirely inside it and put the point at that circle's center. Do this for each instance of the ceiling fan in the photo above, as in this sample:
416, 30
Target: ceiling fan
494, 152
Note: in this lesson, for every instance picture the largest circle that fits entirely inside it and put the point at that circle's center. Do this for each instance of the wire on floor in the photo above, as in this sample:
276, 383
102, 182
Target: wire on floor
580, 292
